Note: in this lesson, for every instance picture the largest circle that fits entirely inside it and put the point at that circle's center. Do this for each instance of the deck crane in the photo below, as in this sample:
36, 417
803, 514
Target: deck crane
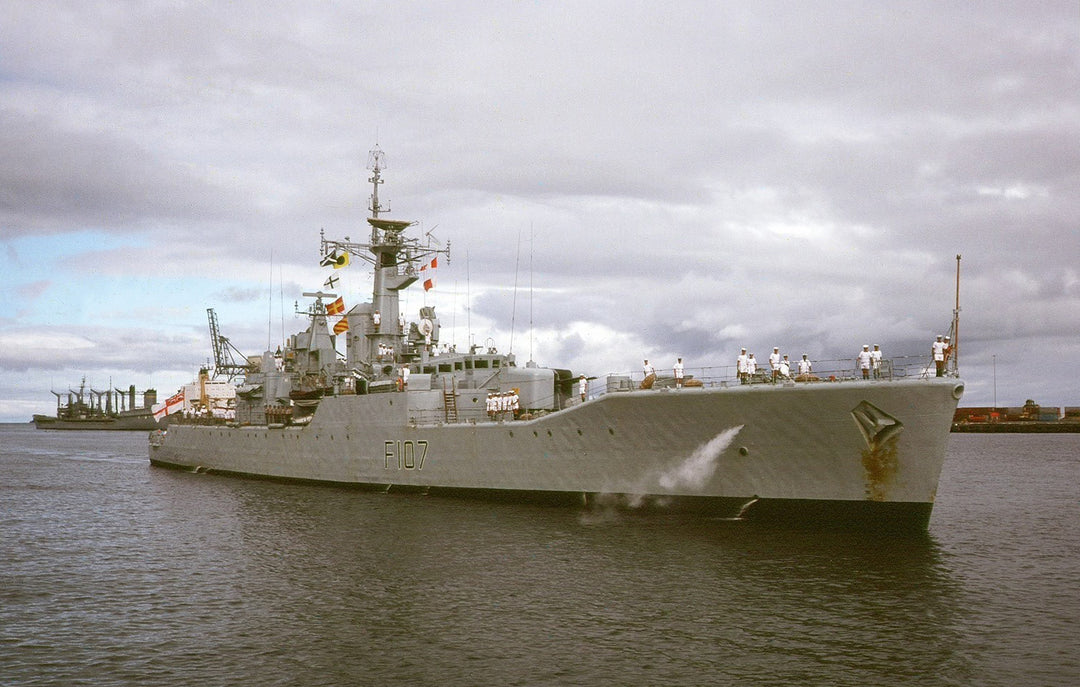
224, 360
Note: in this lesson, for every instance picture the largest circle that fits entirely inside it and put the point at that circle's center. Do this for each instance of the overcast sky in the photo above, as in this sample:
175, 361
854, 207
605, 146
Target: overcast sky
658, 179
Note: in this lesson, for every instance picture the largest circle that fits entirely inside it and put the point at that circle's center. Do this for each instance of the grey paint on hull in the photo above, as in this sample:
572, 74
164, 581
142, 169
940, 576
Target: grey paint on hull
793, 444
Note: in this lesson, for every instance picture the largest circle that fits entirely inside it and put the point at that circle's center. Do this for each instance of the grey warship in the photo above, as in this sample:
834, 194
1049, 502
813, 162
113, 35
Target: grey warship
397, 412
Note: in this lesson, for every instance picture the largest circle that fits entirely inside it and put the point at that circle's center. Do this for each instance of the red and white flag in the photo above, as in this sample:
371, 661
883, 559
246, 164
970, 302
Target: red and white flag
171, 405
427, 273
336, 308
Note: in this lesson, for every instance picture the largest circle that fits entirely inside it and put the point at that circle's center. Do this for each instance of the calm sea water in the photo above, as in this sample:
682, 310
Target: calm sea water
116, 573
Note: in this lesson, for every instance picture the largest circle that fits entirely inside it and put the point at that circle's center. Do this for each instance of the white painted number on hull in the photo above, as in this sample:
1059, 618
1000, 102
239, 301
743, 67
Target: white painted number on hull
406, 455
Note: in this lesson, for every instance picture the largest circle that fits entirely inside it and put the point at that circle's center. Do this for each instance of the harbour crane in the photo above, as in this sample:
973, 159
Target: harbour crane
224, 359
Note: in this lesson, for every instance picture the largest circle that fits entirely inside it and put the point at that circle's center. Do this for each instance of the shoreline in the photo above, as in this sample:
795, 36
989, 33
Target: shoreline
1012, 427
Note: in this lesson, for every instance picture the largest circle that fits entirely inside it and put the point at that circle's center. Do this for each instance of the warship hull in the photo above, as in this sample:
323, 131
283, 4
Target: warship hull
849, 453
138, 422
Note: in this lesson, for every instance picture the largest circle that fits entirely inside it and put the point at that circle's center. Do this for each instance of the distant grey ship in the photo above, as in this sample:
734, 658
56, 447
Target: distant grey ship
111, 409
863, 453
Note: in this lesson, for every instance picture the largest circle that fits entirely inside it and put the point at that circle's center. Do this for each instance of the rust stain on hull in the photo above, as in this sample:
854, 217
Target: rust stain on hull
879, 464
879, 459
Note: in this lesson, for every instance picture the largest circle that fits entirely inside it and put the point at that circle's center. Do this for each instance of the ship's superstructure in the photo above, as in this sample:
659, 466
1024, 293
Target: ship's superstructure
398, 411
205, 400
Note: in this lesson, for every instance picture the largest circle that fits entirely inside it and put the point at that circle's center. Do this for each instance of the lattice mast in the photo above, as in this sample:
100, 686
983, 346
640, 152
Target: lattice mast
396, 258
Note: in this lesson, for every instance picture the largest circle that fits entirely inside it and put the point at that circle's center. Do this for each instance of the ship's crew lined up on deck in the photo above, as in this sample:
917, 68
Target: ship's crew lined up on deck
782, 367
868, 362
503, 403
938, 349
679, 372
863, 360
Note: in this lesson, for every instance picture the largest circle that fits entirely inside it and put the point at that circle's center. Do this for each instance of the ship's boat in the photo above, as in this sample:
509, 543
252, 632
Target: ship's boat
401, 412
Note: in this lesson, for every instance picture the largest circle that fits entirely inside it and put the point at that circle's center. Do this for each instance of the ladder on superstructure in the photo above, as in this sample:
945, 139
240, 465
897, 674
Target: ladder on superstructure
450, 401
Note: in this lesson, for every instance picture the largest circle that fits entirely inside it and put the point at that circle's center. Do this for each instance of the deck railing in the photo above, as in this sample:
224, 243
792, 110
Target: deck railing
838, 370
824, 372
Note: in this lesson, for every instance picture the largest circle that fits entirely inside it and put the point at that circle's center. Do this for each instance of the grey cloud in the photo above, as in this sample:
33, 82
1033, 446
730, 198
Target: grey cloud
696, 177
53, 178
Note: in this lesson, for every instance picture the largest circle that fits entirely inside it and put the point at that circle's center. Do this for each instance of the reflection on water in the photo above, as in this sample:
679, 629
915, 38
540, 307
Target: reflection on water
117, 572
508, 586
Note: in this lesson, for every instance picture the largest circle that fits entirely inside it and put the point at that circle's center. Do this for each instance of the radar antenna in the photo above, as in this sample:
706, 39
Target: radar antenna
376, 163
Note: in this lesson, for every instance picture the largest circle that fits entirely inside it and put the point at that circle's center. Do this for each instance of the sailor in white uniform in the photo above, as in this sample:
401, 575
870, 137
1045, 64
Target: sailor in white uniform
875, 361
938, 349
804, 366
864, 361
678, 370
742, 366
774, 362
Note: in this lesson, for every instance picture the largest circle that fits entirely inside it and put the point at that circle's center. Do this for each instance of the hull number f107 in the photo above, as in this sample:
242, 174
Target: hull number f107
407, 455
